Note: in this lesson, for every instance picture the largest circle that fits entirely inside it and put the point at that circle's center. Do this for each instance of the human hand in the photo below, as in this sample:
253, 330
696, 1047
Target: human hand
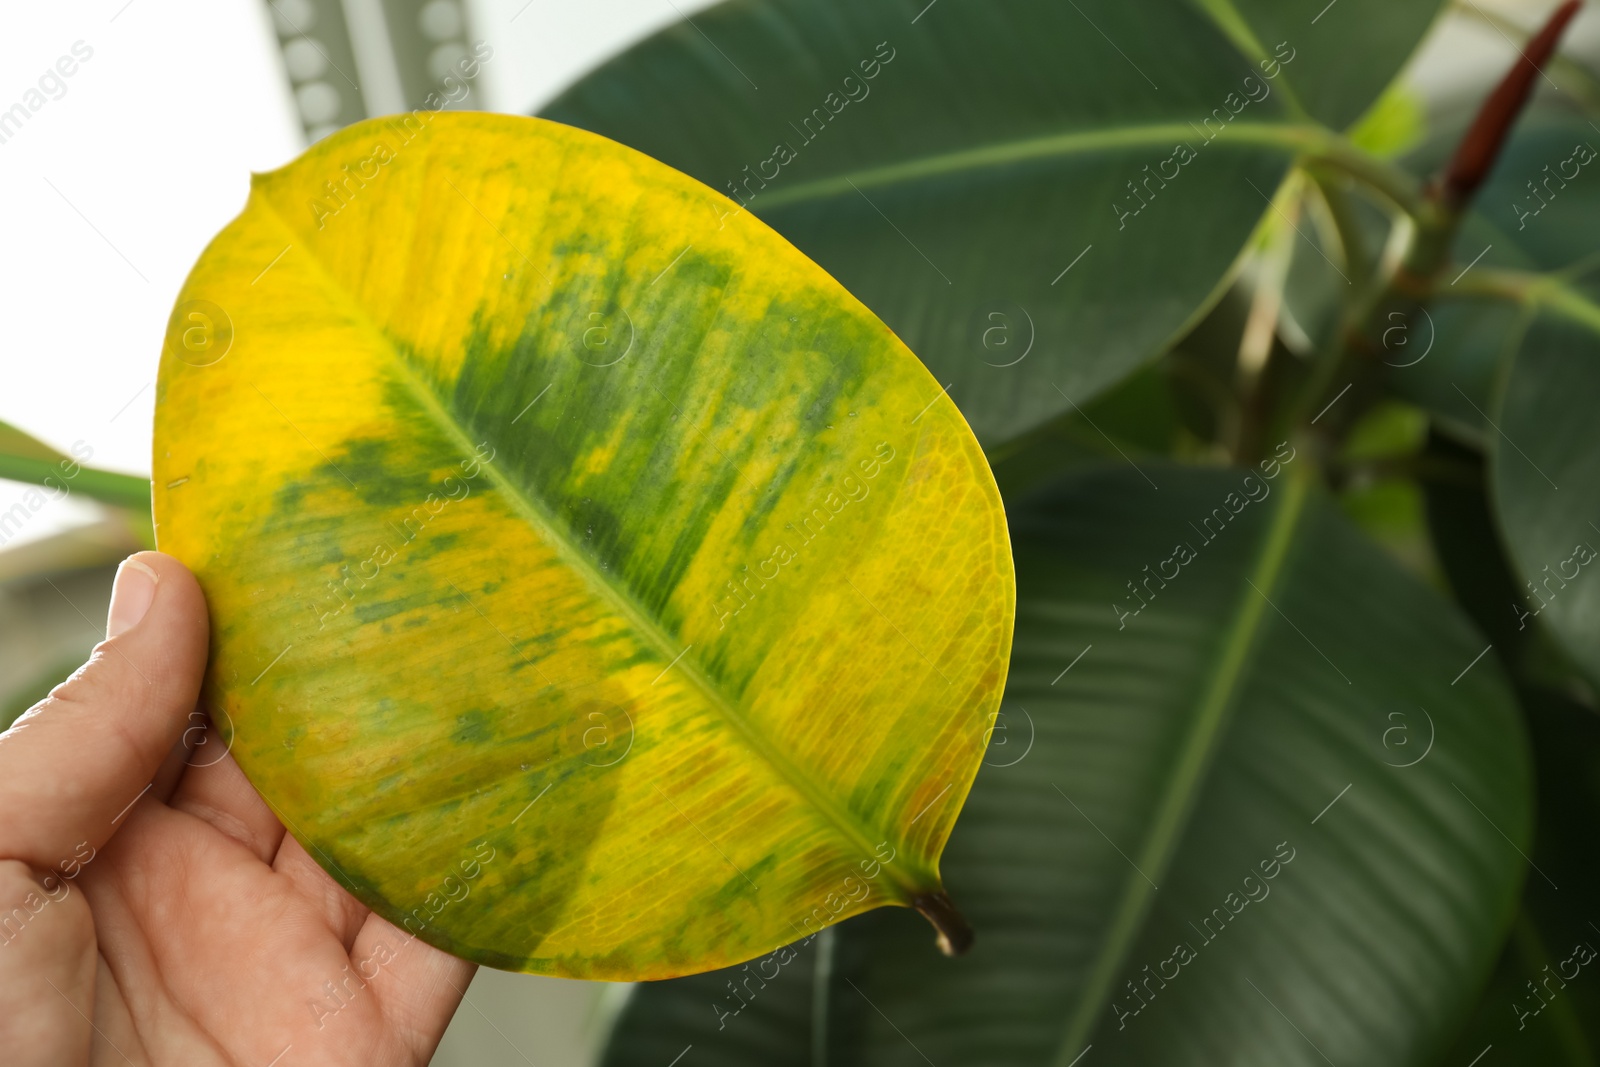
153, 910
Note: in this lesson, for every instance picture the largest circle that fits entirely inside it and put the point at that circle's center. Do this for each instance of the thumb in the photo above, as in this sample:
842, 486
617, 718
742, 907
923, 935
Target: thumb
73, 765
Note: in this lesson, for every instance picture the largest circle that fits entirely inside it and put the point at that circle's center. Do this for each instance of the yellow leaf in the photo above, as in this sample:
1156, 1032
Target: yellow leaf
598, 589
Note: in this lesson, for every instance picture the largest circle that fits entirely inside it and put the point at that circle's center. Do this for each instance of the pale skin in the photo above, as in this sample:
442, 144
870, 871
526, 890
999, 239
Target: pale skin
180, 923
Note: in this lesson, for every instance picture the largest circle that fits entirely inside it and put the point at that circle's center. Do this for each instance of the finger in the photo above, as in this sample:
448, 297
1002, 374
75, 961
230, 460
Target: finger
421, 986
47, 968
343, 913
76, 762
220, 794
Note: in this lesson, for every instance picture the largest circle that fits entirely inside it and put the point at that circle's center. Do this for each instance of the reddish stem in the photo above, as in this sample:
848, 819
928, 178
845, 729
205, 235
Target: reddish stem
1479, 149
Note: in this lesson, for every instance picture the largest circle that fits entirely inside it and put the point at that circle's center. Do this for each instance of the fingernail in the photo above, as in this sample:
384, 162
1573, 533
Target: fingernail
131, 596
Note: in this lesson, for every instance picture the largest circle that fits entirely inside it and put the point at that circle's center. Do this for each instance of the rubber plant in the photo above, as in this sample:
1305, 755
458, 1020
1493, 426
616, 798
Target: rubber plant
1283, 378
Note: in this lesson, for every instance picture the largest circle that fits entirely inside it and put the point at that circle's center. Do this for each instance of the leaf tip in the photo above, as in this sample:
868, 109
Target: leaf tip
954, 935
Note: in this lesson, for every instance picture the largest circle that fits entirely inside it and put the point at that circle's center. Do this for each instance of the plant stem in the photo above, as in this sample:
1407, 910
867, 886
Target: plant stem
1335, 152
1437, 215
1257, 374
1481, 146
1342, 212
1517, 286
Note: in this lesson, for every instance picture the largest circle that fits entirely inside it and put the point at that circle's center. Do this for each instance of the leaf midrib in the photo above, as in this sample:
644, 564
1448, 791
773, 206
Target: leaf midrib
1292, 137
1232, 24
1194, 759
842, 820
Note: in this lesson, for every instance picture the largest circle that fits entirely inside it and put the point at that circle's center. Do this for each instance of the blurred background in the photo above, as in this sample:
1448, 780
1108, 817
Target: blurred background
118, 174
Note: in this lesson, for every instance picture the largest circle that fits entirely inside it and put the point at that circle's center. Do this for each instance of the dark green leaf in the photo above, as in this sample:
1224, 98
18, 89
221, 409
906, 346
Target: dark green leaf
1260, 706
1003, 166
1542, 1005
1566, 744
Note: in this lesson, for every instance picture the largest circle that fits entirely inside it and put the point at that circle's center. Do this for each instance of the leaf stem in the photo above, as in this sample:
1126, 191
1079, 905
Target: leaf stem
955, 936
1550, 292
1336, 152
1343, 215
1517, 286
